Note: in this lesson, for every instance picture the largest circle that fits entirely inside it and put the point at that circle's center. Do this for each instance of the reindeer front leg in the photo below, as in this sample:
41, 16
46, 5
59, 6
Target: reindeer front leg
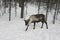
46, 25
42, 24
28, 24
34, 26
27, 28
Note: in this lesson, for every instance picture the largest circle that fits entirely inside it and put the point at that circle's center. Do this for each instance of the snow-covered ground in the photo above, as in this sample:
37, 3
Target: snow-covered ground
15, 29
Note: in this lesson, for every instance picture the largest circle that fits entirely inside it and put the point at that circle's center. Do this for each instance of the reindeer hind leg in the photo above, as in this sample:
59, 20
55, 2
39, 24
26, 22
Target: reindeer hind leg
46, 24
42, 24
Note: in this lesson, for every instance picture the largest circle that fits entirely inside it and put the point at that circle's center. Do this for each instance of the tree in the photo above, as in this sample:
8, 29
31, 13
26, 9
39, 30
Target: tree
4, 1
22, 8
54, 17
1, 6
9, 10
26, 6
39, 1
47, 4
15, 8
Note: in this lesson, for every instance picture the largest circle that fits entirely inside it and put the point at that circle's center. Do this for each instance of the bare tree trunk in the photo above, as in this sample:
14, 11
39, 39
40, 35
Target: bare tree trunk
47, 9
26, 8
58, 7
10, 10
0, 7
15, 8
38, 6
56, 11
47, 13
54, 17
4, 7
22, 8
55, 14
22, 11
50, 5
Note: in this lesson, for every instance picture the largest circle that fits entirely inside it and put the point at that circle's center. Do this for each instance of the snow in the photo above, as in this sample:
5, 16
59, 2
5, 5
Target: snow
15, 29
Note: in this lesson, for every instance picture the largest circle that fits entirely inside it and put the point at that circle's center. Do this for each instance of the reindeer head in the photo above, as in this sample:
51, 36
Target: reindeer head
26, 22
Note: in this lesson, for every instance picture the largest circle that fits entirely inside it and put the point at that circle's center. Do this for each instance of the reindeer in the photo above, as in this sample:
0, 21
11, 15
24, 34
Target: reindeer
35, 19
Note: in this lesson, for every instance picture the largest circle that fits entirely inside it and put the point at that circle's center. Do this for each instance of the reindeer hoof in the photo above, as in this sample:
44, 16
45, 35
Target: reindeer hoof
47, 28
41, 27
26, 30
33, 28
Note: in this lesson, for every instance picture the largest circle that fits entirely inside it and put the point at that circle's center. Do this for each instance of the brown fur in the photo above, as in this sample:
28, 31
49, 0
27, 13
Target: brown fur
36, 18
